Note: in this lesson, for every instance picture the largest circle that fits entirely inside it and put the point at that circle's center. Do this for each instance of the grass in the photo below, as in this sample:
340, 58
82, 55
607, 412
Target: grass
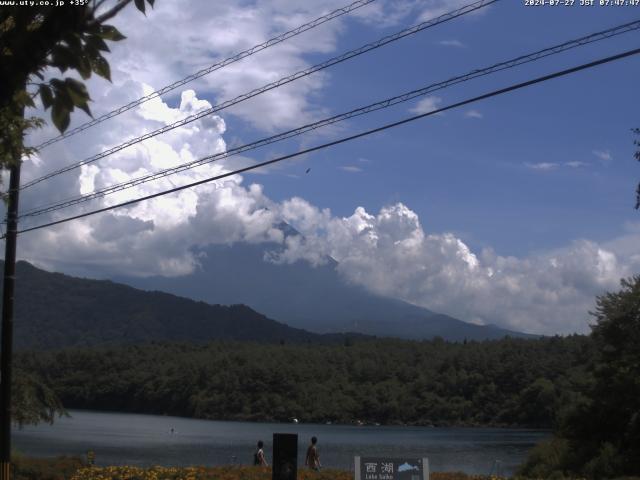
72, 468
226, 473
61, 468
68, 468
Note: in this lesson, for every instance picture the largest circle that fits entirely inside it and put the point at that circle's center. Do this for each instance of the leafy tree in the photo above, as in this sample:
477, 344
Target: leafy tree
33, 41
614, 413
33, 400
599, 435
36, 39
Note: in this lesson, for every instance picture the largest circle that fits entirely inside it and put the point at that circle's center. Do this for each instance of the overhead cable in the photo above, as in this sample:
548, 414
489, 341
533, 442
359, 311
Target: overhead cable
493, 93
278, 83
211, 68
523, 59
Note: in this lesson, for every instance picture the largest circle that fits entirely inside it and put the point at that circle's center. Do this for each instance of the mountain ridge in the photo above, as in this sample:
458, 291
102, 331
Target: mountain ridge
55, 310
317, 298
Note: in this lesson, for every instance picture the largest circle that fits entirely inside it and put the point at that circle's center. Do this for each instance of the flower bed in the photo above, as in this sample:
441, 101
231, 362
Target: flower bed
225, 473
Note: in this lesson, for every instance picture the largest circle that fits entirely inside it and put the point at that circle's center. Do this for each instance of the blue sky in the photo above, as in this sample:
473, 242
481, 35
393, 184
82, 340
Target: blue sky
516, 210
470, 175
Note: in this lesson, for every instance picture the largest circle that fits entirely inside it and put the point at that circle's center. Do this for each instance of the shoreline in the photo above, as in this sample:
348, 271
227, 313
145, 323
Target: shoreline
146, 440
469, 426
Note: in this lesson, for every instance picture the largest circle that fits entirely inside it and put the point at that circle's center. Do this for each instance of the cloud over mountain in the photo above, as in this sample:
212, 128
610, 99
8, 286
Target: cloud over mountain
391, 252
388, 252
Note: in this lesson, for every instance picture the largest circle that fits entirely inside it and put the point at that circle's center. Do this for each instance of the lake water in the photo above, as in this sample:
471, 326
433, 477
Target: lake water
146, 440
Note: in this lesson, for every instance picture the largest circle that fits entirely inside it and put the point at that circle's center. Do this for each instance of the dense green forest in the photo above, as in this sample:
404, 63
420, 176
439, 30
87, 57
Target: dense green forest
505, 382
587, 388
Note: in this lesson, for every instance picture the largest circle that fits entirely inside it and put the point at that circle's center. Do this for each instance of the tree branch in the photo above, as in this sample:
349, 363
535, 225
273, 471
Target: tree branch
97, 4
109, 13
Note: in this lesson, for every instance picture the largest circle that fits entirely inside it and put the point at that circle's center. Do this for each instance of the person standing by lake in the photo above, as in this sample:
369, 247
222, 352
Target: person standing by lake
313, 459
258, 457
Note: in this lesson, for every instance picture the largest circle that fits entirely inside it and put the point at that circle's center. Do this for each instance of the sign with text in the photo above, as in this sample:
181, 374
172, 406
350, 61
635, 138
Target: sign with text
382, 468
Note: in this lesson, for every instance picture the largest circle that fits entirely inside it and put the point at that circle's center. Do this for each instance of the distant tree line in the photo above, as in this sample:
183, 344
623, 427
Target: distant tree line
510, 382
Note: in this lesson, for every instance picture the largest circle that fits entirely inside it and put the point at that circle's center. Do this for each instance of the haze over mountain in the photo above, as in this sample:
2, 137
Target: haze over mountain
54, 311
312, 298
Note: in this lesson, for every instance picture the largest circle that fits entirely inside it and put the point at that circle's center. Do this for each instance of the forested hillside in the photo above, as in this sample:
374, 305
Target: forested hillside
504, 382
56, 311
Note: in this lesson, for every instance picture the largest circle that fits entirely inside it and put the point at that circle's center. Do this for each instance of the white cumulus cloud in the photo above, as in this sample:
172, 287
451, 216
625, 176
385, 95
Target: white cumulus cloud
426, 104
604, 155
576, 164
452, 43
473, 114
387, 251
391, 254
542, 166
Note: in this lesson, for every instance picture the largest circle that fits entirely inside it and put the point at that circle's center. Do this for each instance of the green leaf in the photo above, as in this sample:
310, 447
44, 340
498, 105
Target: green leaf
62, 58
109, 32
23, 98
77, 86
96, 42
77, 91
60, 116
140, 5
101, 67
84, 67
46, 96
56, 83
85, 108
61, 94
74, 42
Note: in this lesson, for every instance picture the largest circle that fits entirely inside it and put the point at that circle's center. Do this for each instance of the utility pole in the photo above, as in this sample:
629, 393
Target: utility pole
7, 321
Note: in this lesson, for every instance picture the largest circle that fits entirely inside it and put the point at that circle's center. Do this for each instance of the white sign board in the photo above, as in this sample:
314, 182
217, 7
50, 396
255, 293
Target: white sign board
398, 468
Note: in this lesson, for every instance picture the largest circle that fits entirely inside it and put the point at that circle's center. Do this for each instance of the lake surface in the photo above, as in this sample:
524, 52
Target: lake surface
145, 440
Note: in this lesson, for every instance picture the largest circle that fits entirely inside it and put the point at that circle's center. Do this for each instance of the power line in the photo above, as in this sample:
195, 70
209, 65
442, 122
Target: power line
211, 68
278, 83
523, 59
282, 81
345, 139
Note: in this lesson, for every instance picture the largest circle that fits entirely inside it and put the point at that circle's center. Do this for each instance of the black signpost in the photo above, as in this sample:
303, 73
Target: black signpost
382, 468
285, 456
